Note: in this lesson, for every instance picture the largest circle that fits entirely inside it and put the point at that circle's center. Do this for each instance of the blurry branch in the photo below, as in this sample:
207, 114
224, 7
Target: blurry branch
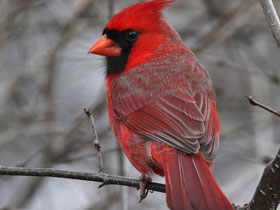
81, 157
111, 4
66, 35
40, 131
228, 26
253, 71
36, 129
248, 126
211, 7
46, 59
256, 103
272, 19
190, 29
12, 11
216, 8
106, 179
95, 139
106, 201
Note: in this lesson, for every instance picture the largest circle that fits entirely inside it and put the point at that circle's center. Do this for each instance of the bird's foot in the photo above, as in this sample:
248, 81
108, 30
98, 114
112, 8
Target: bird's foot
144, 179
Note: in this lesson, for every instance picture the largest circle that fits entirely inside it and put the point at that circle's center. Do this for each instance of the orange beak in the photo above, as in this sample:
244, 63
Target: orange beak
106, 47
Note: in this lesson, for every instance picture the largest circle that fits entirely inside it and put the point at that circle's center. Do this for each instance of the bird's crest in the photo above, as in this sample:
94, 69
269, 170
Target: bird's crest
145, 15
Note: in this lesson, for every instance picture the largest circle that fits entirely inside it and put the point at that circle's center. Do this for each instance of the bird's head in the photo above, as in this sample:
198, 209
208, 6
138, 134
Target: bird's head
132, 36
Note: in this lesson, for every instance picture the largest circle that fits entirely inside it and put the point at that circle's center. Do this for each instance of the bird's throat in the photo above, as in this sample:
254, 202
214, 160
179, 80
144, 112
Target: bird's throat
116, 64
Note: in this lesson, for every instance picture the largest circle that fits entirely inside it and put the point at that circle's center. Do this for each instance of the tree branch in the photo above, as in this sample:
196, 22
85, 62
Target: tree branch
269, 183
267, 194
256, 103
272, 19
106, 179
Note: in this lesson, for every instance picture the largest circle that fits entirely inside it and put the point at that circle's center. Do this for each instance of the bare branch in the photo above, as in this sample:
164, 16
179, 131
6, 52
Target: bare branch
106, 179
95, 139
267, 193
256, 103
237, 207
269, 183
272, 19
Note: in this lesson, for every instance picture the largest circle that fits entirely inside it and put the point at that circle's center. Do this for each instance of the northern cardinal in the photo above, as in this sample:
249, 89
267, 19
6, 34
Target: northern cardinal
162, 106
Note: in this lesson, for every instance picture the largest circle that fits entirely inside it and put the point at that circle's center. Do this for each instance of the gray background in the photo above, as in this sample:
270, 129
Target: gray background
46, 78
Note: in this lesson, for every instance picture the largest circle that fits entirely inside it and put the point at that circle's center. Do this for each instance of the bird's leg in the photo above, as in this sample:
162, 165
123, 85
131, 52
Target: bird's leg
144, 179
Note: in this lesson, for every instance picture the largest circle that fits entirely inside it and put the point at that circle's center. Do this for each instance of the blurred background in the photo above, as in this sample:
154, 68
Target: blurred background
46, 78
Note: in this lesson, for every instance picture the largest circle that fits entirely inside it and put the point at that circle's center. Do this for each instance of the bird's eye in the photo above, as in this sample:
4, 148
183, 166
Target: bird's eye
131, 35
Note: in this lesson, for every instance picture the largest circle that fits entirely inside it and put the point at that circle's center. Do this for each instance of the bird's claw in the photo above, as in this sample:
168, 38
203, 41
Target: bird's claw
144, 181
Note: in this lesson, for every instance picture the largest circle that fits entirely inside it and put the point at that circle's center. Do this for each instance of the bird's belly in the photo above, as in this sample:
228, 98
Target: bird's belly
138, 151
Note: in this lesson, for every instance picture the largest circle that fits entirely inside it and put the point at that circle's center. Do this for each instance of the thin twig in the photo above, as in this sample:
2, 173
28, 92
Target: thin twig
256, 103
272, 19
106, 179
95, 139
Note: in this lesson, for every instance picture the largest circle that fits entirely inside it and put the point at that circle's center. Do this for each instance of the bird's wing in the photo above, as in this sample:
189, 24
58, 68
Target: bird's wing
180, 122
167, 113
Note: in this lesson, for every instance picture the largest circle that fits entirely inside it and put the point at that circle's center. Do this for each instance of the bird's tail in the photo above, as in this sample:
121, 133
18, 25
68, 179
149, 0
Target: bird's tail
190, 184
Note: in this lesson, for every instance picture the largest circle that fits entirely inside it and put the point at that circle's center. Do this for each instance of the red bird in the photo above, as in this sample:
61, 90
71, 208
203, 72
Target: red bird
162, 106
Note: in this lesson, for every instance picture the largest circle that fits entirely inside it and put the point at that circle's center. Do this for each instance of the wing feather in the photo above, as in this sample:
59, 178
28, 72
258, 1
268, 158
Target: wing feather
171, 120
171, 103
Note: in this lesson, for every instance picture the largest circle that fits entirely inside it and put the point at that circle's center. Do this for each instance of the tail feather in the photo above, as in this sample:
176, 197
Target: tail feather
218, 197
176, 196
190, 184
199, 191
